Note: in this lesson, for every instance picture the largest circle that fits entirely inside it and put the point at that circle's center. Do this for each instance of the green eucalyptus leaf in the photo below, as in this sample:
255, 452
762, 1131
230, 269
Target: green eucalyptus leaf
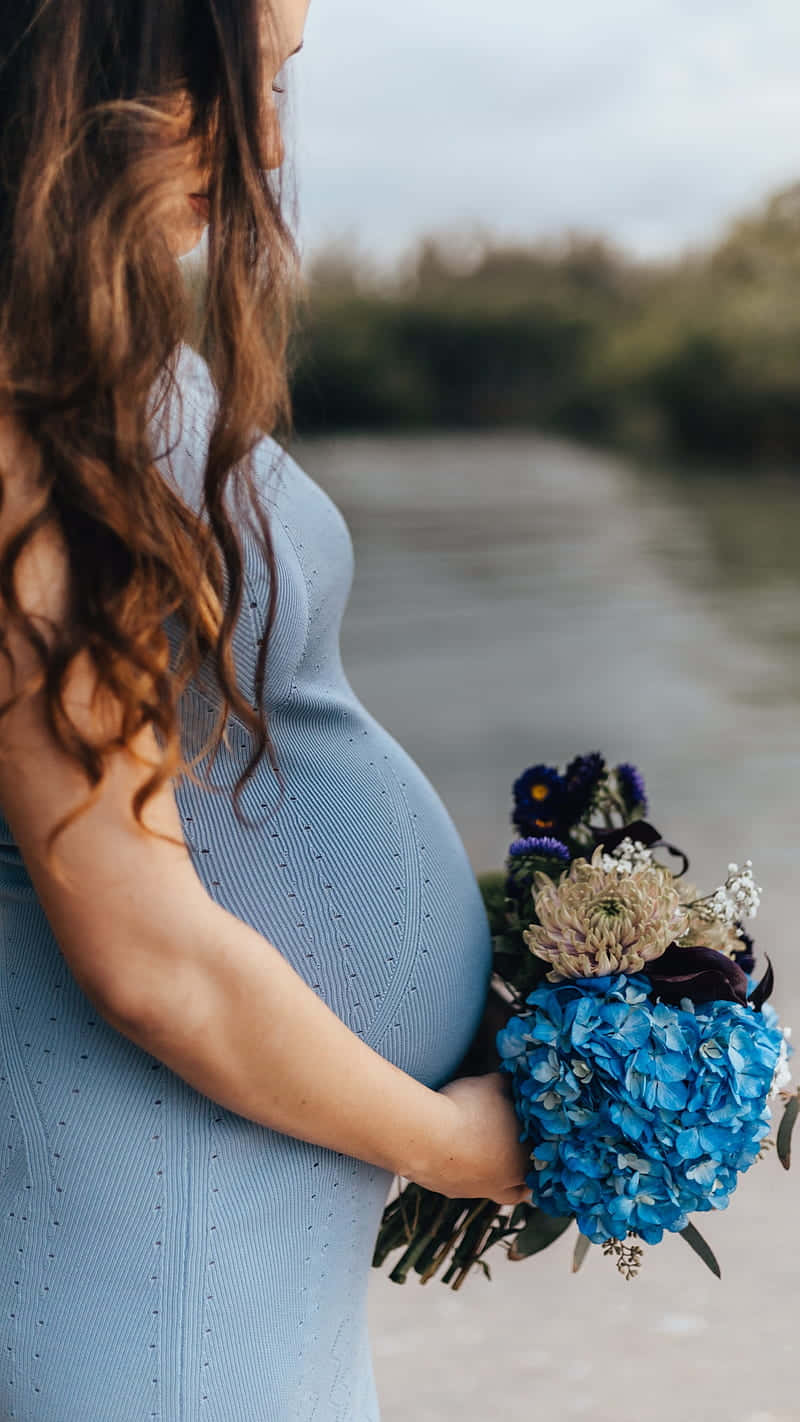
696, 1242
582, 1246
519, 1215
785, 1131
540, 1231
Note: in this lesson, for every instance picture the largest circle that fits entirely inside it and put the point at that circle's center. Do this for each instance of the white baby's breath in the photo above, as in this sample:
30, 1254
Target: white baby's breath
783, 1075
739, 897
628, 858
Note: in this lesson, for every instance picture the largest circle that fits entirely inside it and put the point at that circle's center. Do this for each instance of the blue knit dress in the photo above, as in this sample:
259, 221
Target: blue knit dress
160, 1255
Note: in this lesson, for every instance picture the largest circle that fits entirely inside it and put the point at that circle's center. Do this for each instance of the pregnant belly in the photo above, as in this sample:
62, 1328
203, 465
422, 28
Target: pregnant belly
362, 881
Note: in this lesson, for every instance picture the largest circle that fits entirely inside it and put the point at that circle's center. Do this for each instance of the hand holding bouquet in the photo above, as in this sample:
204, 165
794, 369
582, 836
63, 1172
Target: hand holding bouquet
642, 1054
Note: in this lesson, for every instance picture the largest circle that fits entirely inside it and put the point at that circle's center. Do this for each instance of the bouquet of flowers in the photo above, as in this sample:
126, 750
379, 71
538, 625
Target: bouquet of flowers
643, 1055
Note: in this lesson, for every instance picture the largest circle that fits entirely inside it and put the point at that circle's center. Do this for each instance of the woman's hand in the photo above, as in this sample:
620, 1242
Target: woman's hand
481, 1157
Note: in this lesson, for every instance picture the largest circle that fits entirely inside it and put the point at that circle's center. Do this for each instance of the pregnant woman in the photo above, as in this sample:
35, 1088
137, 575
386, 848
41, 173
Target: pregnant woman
242, 950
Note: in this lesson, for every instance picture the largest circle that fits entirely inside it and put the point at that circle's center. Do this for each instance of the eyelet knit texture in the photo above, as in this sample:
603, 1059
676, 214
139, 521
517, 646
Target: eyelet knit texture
162, 1257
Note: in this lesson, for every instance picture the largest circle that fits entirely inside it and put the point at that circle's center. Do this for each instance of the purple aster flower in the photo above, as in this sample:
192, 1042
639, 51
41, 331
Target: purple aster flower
538, 801
631, 784
583, 776
543, 848
529, 854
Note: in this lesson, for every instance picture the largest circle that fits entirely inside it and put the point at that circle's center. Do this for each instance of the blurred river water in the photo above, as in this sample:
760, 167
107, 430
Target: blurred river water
519, 598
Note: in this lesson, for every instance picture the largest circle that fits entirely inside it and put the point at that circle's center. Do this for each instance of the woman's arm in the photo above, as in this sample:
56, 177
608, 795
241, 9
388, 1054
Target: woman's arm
222, 1007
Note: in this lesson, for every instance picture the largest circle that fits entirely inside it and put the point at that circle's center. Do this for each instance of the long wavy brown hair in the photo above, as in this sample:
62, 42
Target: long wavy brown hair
101, 101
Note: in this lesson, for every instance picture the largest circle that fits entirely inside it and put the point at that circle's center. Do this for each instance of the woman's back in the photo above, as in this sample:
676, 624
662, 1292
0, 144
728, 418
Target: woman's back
174, 1259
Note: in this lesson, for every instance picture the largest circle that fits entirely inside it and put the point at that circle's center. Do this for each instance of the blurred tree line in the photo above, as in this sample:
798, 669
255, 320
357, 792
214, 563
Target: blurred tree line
700, 354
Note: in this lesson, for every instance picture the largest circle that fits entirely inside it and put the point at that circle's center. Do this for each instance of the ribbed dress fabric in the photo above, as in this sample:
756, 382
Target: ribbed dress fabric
162, 1256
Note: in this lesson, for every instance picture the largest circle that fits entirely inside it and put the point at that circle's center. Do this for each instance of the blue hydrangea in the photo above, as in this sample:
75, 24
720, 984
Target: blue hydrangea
639, 1114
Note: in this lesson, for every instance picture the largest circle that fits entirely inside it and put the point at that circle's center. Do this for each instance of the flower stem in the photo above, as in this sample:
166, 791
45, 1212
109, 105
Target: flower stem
442, 1249
417, 1245
400, 1221
461, 1236
490, 1234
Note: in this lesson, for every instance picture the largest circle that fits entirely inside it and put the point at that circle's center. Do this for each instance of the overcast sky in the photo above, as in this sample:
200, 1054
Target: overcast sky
654, 121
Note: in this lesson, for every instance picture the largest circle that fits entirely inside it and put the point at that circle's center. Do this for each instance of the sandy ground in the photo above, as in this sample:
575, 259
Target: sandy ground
675, 1343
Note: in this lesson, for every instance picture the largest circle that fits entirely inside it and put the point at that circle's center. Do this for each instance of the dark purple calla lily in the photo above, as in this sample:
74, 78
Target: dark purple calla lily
639, 831
701, 974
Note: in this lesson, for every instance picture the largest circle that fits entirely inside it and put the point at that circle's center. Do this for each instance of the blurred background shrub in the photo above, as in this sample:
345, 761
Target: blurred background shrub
698, 355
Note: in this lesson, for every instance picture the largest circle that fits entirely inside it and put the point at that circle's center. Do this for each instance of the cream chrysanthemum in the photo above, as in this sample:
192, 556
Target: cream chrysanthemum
595, 921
